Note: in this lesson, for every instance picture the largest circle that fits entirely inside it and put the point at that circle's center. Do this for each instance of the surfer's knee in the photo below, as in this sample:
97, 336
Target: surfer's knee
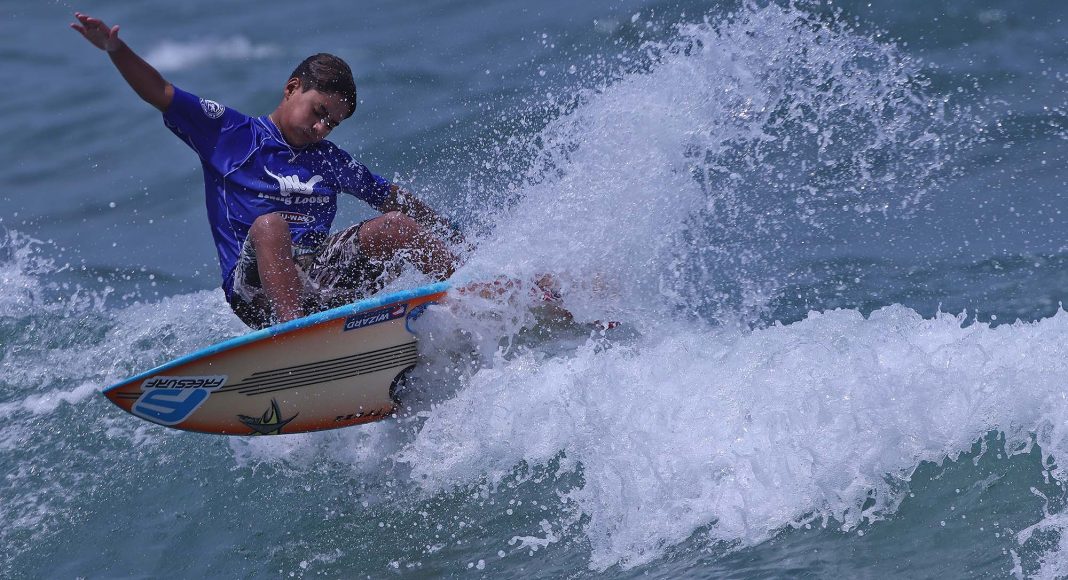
268, 224
269, 231
401, 227
390, 231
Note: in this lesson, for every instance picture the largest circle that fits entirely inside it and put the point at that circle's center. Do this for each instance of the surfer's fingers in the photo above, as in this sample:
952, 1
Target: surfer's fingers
90, 23
96, 31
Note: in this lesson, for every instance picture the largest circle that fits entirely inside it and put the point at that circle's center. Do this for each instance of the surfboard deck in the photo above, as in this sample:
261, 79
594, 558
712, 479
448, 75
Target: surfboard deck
331, 369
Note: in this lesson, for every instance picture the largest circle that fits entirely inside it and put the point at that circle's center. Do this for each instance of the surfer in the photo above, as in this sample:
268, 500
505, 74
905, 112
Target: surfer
271, 186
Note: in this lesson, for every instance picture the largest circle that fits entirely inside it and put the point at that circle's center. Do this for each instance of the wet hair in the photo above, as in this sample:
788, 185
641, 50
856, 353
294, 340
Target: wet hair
327, 73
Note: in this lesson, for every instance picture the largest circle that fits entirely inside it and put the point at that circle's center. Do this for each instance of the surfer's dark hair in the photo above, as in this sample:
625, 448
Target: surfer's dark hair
327, 73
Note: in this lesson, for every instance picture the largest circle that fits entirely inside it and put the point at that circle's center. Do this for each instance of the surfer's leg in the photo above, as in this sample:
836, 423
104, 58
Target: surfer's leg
268, 279
354, 262
394, 233
278, 271
247, 299
341, 273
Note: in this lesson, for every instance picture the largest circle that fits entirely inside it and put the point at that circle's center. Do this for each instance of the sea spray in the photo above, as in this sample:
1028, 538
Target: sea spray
681, 185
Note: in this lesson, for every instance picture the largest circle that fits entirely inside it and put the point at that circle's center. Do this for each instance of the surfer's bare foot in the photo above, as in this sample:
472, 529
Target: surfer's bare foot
545, 287
545, 292
549, 287
489, 290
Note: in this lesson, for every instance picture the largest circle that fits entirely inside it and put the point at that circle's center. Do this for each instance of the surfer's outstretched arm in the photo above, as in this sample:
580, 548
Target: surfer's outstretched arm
141, 76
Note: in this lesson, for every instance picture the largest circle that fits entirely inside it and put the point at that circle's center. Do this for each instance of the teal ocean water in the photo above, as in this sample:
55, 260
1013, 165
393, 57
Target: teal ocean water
835, 234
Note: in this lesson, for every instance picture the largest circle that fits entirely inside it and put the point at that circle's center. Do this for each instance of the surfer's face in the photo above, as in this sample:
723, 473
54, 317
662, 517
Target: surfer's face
307, 117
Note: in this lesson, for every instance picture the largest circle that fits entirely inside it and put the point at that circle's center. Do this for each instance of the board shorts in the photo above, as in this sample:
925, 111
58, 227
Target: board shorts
333, 275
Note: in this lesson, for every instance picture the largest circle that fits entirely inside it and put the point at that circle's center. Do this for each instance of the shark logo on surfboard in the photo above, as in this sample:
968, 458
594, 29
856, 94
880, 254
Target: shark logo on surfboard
270, 423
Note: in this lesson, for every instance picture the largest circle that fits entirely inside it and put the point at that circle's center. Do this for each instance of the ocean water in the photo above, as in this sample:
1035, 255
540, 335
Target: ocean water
834, 234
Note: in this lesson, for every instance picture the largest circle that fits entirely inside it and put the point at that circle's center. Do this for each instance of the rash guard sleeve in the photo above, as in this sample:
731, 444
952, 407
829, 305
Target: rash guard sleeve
200, 123
357, 180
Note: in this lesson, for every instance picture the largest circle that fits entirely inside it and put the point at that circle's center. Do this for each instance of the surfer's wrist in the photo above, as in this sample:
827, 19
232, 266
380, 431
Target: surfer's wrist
113, 47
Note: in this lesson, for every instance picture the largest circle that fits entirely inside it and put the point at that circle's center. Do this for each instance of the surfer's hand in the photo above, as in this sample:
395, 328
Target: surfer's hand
95, 31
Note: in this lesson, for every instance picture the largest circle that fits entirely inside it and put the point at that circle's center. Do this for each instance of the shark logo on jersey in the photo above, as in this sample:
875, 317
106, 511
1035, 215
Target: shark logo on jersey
212, 109
289, 184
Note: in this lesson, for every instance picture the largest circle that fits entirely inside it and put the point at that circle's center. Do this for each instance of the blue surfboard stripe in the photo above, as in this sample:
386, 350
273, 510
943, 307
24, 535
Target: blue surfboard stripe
310, 320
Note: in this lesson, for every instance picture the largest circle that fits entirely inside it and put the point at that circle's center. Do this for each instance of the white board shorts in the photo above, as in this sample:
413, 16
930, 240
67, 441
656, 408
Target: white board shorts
335, 274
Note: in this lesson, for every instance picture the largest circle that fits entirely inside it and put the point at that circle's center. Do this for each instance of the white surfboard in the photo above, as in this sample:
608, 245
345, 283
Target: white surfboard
332, 369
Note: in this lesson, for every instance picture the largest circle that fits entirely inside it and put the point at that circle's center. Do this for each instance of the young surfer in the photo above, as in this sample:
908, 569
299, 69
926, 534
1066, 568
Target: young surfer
271, 185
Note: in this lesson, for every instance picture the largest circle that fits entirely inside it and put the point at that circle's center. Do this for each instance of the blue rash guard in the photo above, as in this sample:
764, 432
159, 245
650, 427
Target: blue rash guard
250, 170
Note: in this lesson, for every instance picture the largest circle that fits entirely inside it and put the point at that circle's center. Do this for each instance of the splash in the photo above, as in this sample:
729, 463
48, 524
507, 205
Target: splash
21, 261
1053, 562
680, 187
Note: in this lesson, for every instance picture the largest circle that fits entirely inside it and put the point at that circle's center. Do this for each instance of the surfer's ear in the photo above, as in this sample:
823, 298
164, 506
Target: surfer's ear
292, 87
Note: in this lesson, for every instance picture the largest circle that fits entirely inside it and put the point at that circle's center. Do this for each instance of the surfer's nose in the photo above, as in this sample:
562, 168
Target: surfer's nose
321, 129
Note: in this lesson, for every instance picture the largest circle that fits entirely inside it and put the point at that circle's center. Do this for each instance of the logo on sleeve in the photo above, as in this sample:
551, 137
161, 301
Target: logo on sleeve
212, 109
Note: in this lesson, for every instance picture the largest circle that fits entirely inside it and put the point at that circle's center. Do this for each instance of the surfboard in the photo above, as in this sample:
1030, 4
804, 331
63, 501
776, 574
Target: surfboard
331, 369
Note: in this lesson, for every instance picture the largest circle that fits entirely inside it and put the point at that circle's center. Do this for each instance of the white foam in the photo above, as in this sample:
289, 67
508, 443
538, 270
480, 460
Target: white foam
745, 433
47, 402
367, 449
171, 55
1053, 564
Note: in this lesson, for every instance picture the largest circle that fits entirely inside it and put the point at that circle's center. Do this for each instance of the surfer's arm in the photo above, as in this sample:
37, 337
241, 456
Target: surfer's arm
402, 200
141, 76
